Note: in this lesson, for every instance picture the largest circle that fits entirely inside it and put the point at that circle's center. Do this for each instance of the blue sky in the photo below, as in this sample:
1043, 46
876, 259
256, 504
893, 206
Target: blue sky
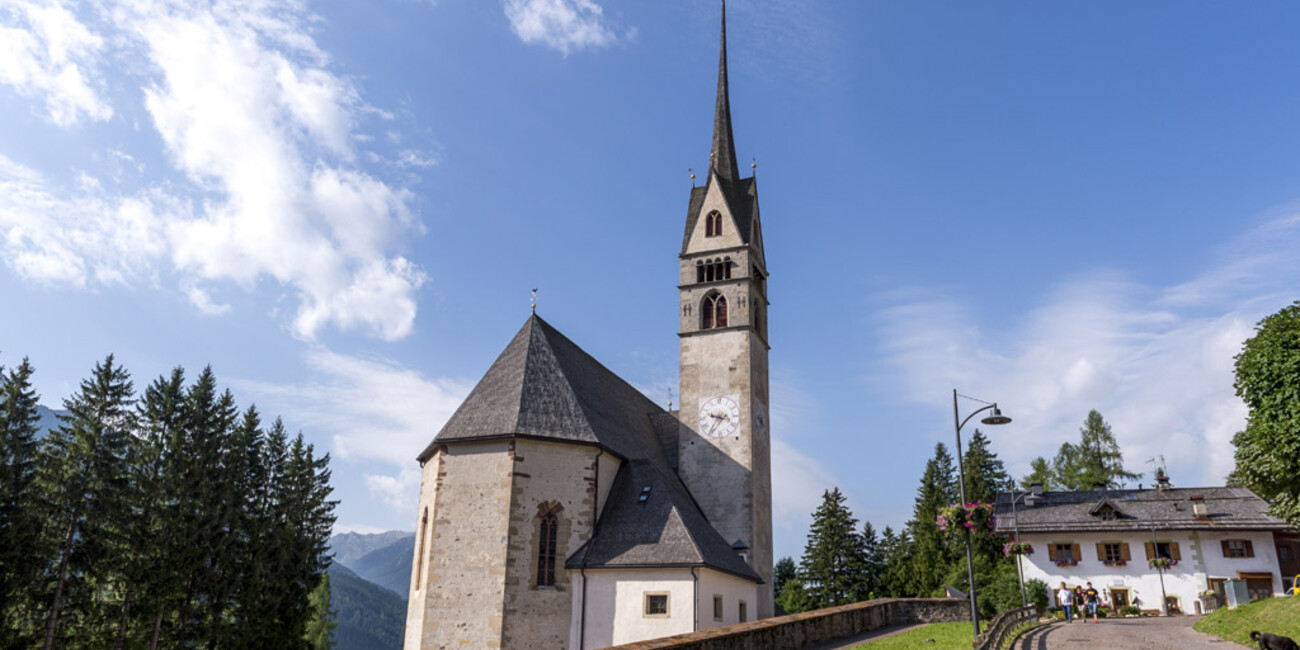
344, 206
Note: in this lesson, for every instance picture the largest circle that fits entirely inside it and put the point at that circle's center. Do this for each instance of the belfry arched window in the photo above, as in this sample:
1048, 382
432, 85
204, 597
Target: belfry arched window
546, 550
713, 269
713, 313
713, 224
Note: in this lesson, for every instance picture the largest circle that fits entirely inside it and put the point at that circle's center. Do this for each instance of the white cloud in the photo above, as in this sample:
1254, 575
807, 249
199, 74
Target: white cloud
402, 491
46, 52
559, 24
1157, 362
248, 110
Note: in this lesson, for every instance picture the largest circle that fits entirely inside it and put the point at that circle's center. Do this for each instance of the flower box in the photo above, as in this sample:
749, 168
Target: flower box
1017, 548
1116, 563
1066, 562
1162, 563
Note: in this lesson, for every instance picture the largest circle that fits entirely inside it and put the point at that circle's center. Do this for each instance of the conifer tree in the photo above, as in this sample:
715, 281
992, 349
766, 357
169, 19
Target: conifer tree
1039, 472
784, 570
873, 561
932, 550
834, 557
899, 579
986, 476
163, 418
20, 526
84, 480
1095, 460
320, 628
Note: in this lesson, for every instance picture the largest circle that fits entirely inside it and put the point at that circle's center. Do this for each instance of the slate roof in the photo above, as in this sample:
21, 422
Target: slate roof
1229, 508
543, 386
666, 529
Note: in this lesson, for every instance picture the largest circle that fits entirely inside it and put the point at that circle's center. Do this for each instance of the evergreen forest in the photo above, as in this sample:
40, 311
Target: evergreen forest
169, 518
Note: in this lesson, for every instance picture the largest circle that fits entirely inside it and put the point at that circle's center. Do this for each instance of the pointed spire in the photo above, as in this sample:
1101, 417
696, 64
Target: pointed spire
723, 155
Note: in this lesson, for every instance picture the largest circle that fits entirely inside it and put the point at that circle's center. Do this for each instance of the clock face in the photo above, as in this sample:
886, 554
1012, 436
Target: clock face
719, 417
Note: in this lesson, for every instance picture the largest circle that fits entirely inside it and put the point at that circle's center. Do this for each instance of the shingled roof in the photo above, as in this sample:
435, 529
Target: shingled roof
544, 386
742, 199
1228, 508
666, 528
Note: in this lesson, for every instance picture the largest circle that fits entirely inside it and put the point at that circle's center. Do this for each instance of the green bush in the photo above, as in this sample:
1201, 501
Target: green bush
1129, 610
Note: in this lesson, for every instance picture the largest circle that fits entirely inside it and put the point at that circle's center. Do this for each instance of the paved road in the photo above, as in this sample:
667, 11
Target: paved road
1157, 633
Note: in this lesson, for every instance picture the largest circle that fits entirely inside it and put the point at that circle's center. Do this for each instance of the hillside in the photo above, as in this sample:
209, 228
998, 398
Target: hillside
388, 567
369, 616
349, 547
1273, 615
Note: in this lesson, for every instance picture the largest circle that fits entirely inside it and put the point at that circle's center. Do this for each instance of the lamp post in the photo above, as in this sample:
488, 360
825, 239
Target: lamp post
995, 417
1015, 523
1155, 549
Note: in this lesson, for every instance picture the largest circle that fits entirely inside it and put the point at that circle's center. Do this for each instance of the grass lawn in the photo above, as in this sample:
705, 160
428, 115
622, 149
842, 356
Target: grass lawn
1275, 615
947, 636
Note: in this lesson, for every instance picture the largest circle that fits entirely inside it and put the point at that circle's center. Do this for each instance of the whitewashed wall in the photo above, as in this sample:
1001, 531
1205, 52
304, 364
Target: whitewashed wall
1202, 558
732, 590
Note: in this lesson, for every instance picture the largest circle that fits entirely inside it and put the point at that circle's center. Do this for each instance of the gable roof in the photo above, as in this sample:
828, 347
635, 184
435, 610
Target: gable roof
665, 529
1229, 508
544, 386
741, 196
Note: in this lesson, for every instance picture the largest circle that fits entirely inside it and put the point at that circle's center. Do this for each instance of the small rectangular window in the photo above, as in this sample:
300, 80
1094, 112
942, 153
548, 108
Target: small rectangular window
717, 608
744, 612
1114, 553
1239, 548
1284, 553
656, 605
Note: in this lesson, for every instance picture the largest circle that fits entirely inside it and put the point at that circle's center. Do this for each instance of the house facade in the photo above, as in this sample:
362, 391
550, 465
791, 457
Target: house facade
561, 508
1134, 545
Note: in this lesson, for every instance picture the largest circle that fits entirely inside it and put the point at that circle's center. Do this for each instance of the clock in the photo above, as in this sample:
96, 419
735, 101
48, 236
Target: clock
719, 417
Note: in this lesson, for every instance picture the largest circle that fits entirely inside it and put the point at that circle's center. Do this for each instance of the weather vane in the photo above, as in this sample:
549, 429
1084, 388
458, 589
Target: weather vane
670, 399
692, 171
534, 300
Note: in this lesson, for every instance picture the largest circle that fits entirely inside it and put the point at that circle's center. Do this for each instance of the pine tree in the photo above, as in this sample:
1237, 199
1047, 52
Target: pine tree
873, 561
1095, 460
321, 627
986, 476
163, 420
20, 527
84, 481
933, 552
784, 570
833, 559
1039, 472
899, 579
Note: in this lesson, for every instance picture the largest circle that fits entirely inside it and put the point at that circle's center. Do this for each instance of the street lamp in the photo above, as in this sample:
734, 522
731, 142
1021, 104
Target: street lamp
1015, 523
1155, 549
995, 417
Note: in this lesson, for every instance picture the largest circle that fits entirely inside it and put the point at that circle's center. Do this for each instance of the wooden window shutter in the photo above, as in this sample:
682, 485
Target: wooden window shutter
1226, 551
1151, 550
1051, 552
1250, 548
1123, 549
1173, 551
1101, 552
1078, 553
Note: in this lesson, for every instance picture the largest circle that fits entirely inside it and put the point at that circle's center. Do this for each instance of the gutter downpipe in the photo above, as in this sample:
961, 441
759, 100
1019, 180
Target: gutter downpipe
695, 621
582, 619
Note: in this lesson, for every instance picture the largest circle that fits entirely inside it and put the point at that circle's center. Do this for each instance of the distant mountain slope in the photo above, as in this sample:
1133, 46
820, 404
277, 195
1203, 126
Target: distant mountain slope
369, 617
349, 547
49, 419
389, 566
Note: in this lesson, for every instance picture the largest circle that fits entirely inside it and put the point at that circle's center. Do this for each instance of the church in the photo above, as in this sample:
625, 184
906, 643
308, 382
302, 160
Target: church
561, 508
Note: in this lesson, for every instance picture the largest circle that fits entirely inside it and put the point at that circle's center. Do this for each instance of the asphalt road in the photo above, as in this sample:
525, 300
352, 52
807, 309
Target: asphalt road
1154, 633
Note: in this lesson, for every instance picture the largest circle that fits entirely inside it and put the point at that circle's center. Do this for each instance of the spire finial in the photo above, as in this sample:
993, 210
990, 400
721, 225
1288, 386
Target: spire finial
723, 155
534, 301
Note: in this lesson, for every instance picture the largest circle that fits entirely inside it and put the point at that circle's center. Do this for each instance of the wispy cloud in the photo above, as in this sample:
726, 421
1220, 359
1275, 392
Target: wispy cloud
46, 53
249, 112
374, 409
1156, 361
562, 25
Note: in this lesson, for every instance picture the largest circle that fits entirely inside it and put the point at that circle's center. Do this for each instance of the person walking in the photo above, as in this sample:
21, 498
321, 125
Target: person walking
1091, 598
1065, 600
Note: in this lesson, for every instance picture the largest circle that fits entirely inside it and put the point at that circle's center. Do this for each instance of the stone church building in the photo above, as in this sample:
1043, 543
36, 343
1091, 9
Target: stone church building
561, 508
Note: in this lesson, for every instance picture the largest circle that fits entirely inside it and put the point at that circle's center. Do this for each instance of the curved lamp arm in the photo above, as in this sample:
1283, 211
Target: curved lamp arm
976, 412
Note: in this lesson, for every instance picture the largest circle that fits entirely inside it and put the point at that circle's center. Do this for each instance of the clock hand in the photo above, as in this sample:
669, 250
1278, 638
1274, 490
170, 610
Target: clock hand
715, 426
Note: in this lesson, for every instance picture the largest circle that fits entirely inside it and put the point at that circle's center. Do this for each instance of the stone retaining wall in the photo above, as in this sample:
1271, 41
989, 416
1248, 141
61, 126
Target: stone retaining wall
808, 629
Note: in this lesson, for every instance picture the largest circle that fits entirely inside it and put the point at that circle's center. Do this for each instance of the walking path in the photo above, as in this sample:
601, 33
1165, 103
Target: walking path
1154, 633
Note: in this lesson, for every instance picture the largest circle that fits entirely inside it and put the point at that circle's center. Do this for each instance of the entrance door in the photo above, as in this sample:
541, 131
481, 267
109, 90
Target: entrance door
1259, 585
1118, 598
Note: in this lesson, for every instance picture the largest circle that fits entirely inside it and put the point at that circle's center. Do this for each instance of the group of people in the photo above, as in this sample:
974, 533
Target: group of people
1081, 597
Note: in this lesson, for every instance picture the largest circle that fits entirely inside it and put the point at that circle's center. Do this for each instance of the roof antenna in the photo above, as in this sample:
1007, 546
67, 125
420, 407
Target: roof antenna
534, 301
692, 171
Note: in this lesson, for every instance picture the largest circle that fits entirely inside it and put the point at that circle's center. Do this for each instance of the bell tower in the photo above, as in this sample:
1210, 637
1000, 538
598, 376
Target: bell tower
724, 448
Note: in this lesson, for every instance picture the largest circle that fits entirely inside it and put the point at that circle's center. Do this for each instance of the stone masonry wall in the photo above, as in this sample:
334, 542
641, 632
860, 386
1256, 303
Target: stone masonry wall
813, 628
548, 478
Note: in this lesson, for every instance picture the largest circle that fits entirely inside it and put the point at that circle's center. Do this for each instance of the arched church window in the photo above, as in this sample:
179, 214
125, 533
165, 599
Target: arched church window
713, 313
699, 271
546, 550
710, 271
726, 269
713, 224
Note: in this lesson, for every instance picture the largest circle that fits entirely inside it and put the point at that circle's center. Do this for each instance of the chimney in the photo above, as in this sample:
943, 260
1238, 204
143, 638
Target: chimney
1199, 509
1162, 483
1036, 488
